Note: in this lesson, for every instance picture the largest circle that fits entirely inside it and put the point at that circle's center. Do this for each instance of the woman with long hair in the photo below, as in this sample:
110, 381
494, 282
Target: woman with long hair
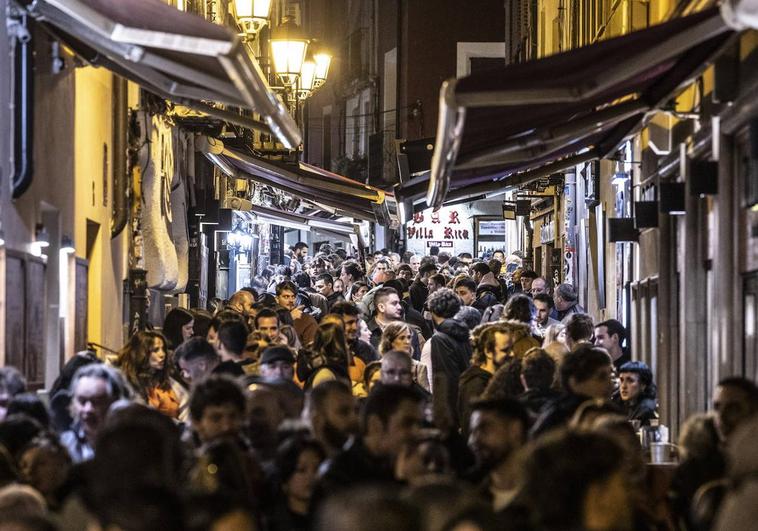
144, 361
178, 327
357, 291
297, 462
397, 336
328, 357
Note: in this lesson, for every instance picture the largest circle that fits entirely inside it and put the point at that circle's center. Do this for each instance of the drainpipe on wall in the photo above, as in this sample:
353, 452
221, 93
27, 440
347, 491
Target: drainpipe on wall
120, 212
22, 101
399, 71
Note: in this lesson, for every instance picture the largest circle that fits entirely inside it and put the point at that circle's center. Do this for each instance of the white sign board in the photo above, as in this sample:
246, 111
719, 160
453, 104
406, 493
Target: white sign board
450, 228
492, 228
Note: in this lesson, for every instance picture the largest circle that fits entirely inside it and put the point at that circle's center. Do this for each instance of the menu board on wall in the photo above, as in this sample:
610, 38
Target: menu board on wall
80, 305
491, 228
15, 312
25, 316
35, 322
491, 234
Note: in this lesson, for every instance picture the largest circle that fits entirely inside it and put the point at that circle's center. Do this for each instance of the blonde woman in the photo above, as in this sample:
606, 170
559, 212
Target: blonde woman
397, 336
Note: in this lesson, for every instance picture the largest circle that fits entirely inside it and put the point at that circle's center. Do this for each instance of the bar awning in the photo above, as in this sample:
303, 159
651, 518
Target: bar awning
507, 127
341, 195
178, 55
299, 221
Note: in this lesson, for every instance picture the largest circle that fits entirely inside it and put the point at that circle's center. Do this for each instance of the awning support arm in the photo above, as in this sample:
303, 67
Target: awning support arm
525, 177
531, 146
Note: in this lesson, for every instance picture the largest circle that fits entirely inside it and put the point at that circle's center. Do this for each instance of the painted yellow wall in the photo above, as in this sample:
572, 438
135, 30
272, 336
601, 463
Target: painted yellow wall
94, 197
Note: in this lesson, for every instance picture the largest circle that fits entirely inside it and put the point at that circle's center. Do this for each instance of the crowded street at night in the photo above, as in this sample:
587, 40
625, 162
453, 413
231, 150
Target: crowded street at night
369, 265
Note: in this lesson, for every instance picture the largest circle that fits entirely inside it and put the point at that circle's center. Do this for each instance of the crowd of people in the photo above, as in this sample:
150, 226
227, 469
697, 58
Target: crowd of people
389, 392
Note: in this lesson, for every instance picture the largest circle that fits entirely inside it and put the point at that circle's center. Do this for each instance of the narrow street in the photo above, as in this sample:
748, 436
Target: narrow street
363, 264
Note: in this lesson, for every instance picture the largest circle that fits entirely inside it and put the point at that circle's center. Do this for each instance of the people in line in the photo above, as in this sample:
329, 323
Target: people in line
436, 392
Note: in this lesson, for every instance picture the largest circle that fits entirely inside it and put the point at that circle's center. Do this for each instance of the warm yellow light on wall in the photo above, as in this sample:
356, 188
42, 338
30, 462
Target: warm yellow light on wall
307, 79
323, 59
288, 48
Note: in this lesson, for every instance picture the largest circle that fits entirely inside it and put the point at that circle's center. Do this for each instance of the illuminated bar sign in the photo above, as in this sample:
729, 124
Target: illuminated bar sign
450, 228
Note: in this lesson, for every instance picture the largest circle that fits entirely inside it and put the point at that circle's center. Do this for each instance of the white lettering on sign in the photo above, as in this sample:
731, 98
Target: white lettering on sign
449, 228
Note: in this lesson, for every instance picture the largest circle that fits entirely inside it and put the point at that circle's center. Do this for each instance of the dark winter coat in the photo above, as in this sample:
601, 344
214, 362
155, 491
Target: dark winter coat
488, 293
471, 385
557, 413
451, 355
643, 410
418, 293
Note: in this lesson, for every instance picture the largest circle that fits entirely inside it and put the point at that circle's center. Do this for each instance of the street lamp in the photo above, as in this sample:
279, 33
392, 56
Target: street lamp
323, 59
306, 83
288, 48
252, 15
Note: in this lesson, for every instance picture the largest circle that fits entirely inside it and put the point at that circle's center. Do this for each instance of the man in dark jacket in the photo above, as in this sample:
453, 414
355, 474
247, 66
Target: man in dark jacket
391, 417
488, 291
388, 309
419, 290
448, 352
350, 314
491, 344
586, 373
410, 315
537, 377
325, 286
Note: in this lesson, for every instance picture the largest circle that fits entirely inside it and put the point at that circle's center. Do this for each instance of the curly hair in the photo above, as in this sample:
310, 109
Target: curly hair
351, 267
444, 303
134, 362
483, 340
390, 333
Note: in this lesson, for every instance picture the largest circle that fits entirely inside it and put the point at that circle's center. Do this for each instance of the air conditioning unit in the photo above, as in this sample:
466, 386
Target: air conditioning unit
236, 203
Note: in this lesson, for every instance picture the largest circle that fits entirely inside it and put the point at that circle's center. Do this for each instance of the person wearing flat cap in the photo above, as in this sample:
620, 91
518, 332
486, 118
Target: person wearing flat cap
277, 363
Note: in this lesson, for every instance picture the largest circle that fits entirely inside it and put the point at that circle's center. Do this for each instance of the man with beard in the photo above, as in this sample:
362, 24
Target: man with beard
330, 411
388, 309
297, 257
498, 428
419, 288
305, 325
492, 345
325, 286
390, 419
242, 301
350, 314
